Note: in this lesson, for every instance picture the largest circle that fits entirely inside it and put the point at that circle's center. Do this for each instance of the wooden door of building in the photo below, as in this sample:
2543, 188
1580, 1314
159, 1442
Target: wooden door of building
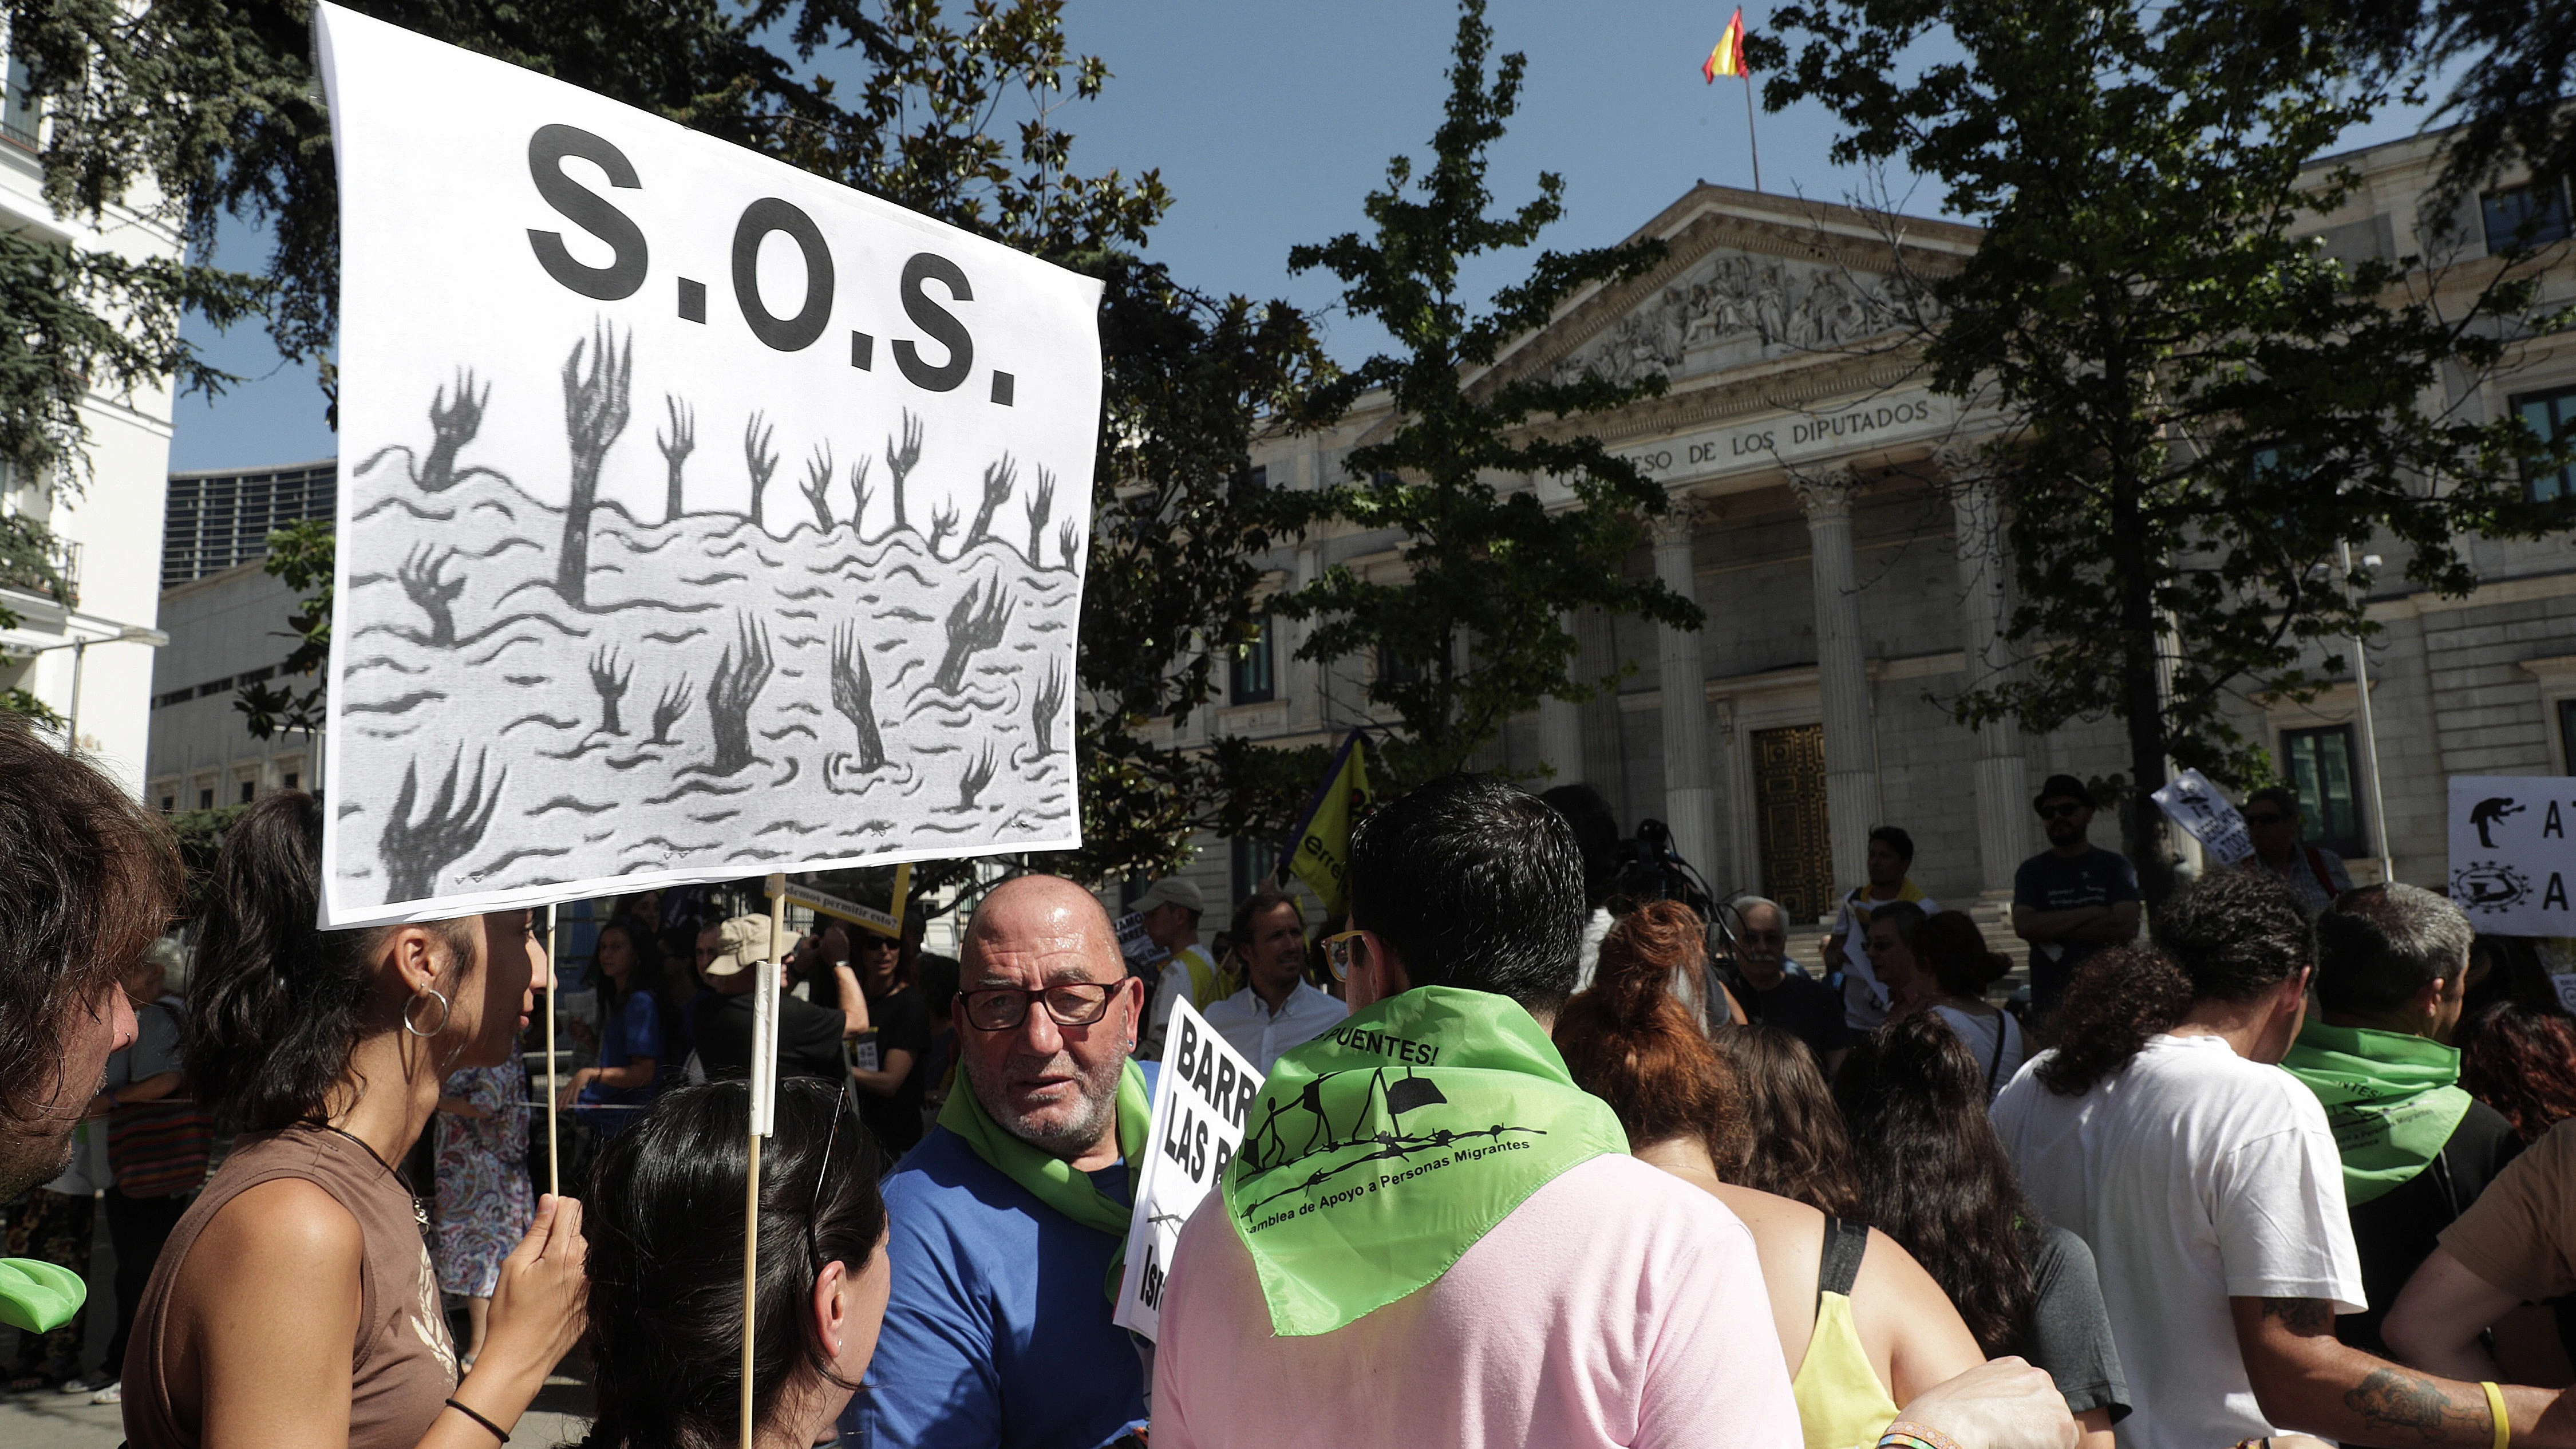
1789, 805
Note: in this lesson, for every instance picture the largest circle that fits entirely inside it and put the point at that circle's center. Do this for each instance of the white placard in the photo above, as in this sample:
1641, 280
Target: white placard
2198, 806
2511, 863
1200, 1098
698, 517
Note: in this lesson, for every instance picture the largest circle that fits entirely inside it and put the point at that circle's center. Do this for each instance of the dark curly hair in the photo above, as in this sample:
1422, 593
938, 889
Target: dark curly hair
1797, 1148
664, 1220
87, 880
2522, 1063
275, 1003
1627, 1041
2229, 936
1933, 1175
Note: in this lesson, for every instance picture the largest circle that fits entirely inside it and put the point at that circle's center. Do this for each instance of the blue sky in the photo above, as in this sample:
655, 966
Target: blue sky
1270, 122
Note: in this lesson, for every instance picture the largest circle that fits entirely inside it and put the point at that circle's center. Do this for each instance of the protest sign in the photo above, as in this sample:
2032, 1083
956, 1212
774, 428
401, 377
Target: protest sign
698, 517
2510, 858
1143, 955
1200, 1099
1322, 856
2197, 806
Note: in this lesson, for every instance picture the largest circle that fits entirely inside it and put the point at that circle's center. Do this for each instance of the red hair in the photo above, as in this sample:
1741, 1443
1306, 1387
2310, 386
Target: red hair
2522, 1063
1628, 1042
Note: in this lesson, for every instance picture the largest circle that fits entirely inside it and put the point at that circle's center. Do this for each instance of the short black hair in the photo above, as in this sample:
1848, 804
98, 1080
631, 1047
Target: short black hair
1477, 885
2235, 933
1596, 831
2379, 945
2281, 795
1896, 840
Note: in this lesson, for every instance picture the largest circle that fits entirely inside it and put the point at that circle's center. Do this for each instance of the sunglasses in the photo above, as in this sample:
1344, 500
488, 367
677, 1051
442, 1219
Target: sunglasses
2062, 812
1337, 952
2265, 819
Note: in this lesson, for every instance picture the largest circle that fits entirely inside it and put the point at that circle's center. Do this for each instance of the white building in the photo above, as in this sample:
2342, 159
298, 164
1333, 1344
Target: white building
88, 657
227, 622
1851, 576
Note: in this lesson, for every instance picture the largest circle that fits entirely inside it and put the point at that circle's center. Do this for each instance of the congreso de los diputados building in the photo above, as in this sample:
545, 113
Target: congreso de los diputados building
1826, 518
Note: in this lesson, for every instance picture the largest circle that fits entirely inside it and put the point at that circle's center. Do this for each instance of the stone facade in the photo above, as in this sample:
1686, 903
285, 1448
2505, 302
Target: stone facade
1828, 522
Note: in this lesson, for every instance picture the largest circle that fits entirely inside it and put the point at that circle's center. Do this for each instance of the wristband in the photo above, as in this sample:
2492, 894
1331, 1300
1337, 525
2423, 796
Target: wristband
1907, 1434
497, 1431
2495, 1410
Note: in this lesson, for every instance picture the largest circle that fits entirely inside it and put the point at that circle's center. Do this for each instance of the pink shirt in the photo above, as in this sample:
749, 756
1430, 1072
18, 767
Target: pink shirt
1618, 1305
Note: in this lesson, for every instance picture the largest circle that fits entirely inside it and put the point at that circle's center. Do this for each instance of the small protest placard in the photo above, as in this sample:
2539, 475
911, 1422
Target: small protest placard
1143, 956
2197, 806
2510, 856
1199, 1103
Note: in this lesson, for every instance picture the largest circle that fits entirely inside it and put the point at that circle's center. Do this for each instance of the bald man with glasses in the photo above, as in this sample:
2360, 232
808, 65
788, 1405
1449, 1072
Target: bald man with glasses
1003, 1223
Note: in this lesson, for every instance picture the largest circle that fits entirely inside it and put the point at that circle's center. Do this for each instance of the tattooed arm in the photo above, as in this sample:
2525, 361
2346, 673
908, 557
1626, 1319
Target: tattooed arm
2307, 1380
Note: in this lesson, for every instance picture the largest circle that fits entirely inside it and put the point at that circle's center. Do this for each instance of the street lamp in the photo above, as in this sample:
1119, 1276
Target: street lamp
125, 634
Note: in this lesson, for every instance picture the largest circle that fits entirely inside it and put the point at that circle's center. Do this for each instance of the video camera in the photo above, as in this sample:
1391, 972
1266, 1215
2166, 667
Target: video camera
1651, 870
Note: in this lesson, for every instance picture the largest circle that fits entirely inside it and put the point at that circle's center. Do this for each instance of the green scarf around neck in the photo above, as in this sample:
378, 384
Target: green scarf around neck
1049, 1178
1381, 1151
38, 1297
2389, 1096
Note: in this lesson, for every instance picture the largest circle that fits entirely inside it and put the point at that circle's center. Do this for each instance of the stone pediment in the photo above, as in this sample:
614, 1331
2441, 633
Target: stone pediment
1749, 279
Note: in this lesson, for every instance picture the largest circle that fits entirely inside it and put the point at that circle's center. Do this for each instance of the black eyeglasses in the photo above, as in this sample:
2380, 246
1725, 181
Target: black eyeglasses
814, 1207
2062, 812
2265, 819
1072, 1003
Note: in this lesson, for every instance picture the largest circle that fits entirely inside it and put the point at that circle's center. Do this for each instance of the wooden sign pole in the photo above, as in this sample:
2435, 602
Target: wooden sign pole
764, 1087
554, 1168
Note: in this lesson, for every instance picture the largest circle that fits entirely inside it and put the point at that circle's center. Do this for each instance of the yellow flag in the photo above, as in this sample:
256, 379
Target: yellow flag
1323, 855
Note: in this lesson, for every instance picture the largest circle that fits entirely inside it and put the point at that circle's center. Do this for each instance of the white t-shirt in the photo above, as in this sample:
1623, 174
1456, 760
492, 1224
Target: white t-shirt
1616, 1306
2195, 1176
1995, 1041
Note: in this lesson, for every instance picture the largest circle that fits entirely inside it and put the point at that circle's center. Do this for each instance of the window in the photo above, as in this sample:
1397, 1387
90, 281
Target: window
1397, 668
1250, 678
206, 798
2551, 415
1258, 480
2525, 216
1254, 862
247, 789
2321, 766
169, 803
2567, 734
291, 777
18, 112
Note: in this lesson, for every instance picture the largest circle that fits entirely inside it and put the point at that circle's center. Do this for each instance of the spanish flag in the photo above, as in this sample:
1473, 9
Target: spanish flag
1728, 58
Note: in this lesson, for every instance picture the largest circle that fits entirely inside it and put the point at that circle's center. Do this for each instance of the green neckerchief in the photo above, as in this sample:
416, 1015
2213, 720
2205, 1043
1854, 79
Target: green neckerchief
2389, 1096
1379, 1152
38, 1297
1051, 1179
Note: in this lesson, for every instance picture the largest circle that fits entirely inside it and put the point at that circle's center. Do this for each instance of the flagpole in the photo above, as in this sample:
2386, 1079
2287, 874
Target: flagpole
554, 1170
1750, 135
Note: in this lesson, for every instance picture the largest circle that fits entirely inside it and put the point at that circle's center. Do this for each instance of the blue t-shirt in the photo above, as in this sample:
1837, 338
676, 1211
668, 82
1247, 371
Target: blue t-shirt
633, 1030
2053, 882
997, 1331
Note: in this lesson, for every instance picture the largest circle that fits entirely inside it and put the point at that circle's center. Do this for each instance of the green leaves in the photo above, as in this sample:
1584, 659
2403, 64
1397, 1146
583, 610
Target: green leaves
1471, 634
303, 555
2200, 406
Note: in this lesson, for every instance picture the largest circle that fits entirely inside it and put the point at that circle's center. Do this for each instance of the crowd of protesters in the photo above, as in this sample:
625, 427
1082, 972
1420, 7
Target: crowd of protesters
2279, 1157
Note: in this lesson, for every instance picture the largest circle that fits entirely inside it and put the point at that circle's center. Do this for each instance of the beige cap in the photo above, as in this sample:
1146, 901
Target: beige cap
1172, 890
739, 942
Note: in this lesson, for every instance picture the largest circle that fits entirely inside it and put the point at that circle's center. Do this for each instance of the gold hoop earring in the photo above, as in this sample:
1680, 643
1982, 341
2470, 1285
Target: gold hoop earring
444, 1011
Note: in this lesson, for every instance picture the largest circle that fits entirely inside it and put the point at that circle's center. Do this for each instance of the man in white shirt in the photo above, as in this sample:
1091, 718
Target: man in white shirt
2208, 1185
1278, 1009
1171, 908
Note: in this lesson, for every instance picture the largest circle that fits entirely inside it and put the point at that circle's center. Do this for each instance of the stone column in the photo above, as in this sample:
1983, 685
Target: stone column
1690, 792
2001, 776
1842, 669
1560, 723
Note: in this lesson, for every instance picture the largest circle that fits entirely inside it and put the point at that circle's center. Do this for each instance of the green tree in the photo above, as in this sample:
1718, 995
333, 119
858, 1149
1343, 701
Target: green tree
302, 555
956, 118
2196, 404
1472, 634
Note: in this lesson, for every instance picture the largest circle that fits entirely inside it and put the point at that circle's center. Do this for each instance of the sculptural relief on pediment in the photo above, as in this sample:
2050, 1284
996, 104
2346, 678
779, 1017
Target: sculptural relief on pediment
1732, 309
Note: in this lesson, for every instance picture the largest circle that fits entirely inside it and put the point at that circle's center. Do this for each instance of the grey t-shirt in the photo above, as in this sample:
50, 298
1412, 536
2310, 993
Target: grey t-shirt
2070, 1331
155, 1049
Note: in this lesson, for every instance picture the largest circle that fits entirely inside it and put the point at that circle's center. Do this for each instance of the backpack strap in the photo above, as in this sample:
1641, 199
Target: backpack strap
1838, 1267
2317, 868
1995, 1064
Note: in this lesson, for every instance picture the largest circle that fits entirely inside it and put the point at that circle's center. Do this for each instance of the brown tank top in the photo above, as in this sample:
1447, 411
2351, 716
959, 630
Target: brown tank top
402, 1367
